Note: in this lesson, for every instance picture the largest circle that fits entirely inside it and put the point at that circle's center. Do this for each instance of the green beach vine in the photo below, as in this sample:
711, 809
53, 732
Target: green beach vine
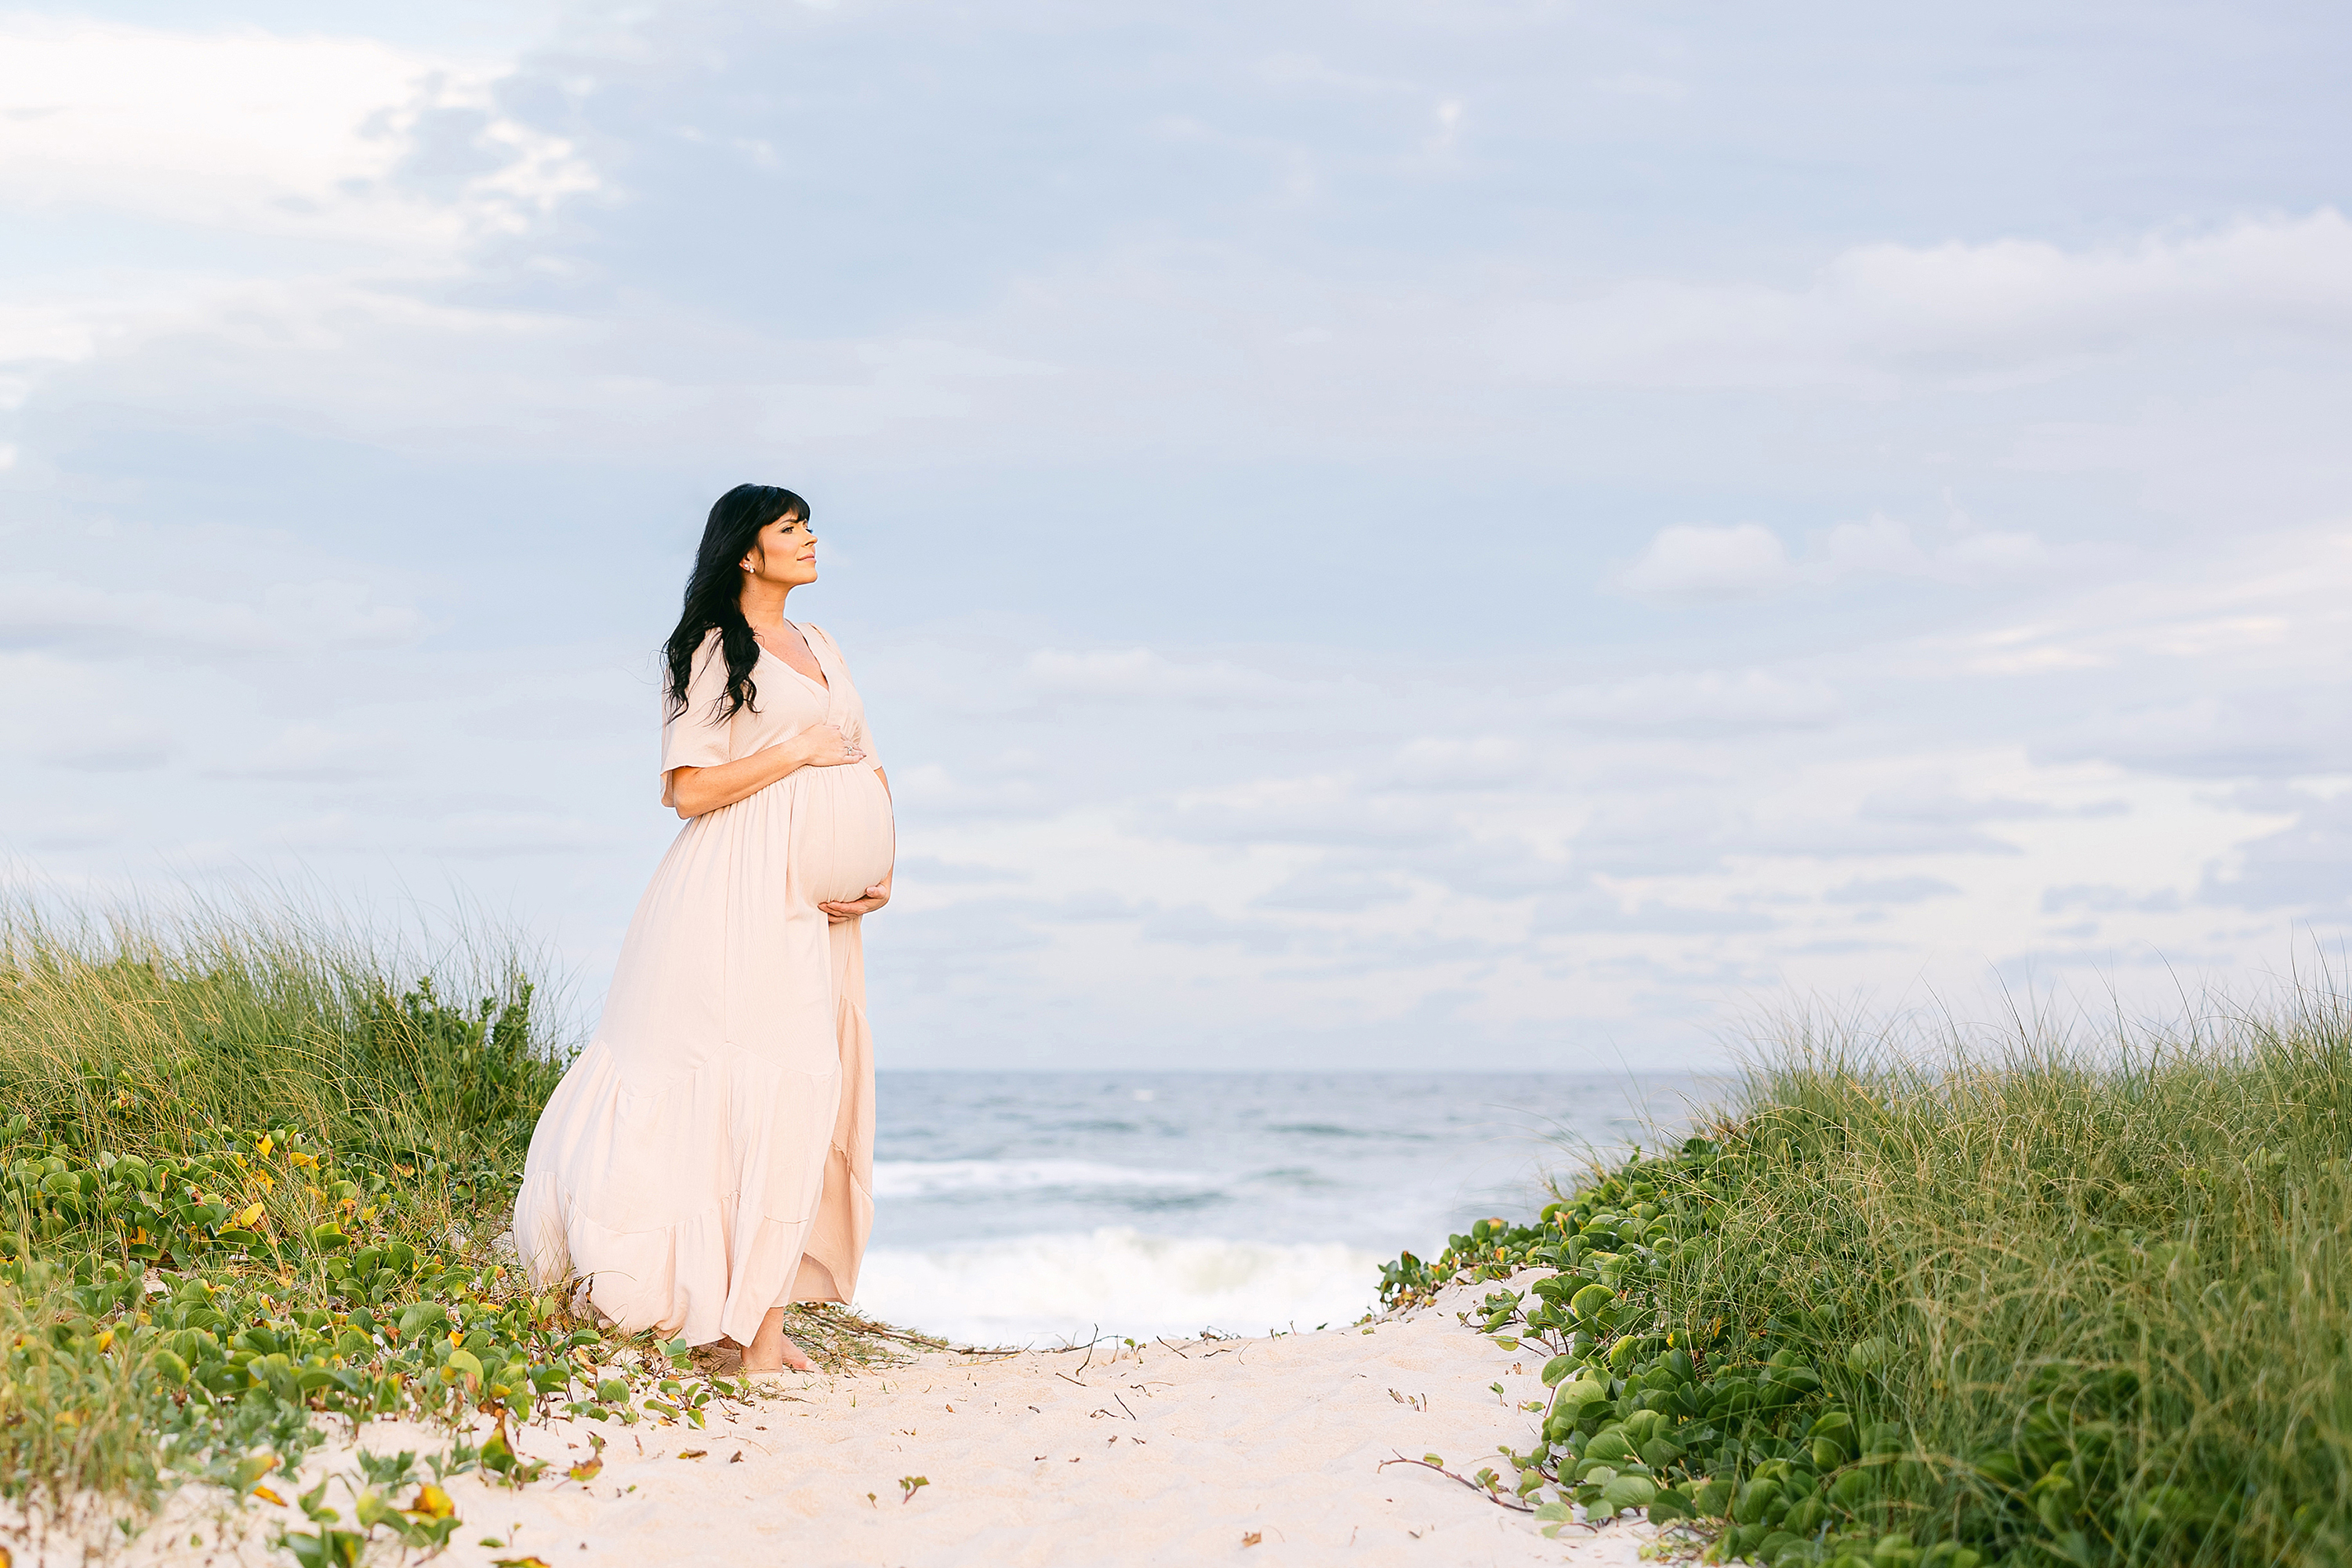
2027, 1307
191, 1296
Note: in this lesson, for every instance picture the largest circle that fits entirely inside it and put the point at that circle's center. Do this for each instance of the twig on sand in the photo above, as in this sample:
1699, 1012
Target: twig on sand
857, 1322
1492, 1494
1173, 1348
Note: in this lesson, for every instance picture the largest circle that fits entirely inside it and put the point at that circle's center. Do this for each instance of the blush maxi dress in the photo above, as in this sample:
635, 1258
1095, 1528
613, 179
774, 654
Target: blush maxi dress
710, 1155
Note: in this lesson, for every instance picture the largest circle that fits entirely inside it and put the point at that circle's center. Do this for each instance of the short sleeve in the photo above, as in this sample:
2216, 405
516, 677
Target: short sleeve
694, 738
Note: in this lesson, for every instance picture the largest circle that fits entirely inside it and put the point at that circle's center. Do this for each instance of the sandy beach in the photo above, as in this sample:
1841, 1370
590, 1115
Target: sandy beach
1249, 1450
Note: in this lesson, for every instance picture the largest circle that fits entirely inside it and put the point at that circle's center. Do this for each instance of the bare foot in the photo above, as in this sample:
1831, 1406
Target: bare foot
769, 1351
789, 1357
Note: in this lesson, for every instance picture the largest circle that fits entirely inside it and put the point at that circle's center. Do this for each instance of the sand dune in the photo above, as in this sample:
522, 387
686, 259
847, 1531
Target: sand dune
1257, 1451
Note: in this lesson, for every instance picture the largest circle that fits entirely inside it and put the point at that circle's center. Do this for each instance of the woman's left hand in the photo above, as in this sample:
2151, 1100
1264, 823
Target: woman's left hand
876, 897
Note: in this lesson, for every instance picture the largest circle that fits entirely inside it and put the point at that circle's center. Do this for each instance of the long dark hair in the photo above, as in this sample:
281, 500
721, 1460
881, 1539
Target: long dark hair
714, 595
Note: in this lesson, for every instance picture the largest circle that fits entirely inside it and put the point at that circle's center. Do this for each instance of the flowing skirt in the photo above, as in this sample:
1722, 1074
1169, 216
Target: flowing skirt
710, 1155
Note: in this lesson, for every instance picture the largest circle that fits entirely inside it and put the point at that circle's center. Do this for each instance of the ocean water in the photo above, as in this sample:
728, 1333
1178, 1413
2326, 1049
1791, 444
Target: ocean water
1030, 1208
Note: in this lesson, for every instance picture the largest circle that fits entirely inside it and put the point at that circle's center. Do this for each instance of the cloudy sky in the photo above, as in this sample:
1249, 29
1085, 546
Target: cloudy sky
1385, 534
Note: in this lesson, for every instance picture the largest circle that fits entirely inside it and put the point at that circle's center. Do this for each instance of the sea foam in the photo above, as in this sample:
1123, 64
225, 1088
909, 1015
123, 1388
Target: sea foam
1045, 1289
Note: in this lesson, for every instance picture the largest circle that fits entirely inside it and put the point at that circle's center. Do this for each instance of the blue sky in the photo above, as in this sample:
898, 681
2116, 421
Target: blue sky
1373, 535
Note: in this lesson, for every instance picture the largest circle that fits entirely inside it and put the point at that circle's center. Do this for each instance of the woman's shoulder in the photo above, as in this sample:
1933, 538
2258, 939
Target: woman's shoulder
709, 661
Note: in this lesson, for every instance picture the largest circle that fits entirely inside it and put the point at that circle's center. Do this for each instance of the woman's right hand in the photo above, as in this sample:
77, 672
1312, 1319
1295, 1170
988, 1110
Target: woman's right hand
694, 791
821, 746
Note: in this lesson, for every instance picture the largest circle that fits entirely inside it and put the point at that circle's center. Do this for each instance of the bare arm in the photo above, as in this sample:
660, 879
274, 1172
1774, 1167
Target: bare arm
694, 791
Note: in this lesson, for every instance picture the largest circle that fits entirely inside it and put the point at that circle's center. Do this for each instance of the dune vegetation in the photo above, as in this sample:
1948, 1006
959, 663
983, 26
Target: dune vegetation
255, 1175
1953, 1299
1907, 1302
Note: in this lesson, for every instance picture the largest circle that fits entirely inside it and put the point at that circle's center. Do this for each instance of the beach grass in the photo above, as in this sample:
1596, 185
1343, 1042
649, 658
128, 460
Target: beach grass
129, 1032
1950, 1296
1917, 1296
238, 1145
256, 1170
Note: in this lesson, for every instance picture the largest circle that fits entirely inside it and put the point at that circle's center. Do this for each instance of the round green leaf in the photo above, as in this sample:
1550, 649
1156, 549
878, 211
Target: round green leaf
1627, 1491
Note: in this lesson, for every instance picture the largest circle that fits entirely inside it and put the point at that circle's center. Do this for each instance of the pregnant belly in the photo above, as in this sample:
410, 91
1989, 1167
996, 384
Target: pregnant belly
842, 840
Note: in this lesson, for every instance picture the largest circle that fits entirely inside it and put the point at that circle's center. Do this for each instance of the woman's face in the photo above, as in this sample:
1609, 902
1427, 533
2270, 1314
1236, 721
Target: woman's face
785, 552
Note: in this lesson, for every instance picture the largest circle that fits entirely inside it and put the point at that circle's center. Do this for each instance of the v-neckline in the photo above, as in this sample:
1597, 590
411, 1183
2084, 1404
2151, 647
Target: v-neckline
808, 642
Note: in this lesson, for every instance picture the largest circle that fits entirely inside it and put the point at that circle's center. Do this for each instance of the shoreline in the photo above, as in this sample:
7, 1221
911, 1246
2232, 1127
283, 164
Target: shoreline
1178, 1452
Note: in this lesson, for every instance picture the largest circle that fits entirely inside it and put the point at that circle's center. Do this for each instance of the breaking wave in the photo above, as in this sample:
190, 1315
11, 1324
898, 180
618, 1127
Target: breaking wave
1116, 1280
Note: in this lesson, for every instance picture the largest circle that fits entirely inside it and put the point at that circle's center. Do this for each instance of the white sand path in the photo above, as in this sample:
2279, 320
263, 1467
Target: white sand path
1177, 1454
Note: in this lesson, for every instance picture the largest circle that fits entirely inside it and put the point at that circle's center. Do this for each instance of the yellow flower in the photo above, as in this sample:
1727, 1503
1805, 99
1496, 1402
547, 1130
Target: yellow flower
430, 1503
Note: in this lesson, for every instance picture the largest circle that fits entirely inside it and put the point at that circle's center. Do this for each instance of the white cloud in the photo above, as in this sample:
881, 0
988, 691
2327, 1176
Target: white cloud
1390, 812
1876, 317
2268, 606
1644, 85
1687, 562
1310, 809
2015, 299
1709, 698
291, 341
43, 610
1440, 762
1883, 546
1889, 891
1139, 673
343, 138
350, 172
107, 748
311, 752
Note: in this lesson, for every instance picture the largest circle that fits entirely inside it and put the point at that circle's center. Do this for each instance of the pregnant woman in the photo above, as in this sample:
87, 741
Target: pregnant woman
710, 1156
